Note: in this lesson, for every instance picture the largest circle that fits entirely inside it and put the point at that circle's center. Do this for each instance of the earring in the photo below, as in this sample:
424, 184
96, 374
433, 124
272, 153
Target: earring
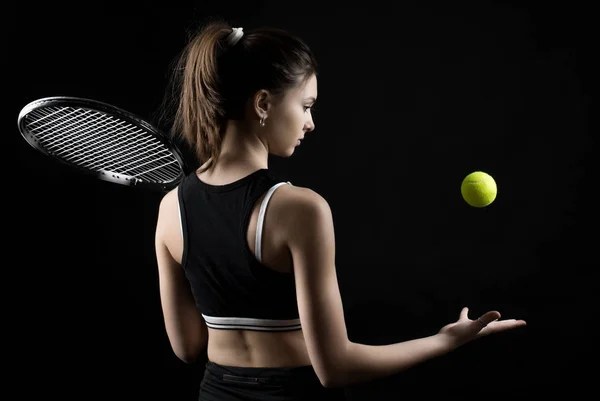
262, 122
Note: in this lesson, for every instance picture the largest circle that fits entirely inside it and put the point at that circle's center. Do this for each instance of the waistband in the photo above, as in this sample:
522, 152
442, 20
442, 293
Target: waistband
260, 375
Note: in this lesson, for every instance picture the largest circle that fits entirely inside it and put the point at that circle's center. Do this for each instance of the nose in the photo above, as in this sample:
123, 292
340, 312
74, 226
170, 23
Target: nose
310, 125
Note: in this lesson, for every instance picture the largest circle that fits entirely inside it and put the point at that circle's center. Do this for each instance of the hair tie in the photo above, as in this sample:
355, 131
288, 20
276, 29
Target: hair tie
235, 36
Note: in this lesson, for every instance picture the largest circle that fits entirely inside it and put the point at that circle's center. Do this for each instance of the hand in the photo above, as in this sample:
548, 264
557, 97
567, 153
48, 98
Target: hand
464, 329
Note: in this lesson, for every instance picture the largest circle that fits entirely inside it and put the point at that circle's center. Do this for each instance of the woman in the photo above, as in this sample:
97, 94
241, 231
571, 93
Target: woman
257, 286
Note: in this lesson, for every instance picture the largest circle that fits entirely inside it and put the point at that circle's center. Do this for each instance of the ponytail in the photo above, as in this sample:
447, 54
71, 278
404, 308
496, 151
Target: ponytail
199, 117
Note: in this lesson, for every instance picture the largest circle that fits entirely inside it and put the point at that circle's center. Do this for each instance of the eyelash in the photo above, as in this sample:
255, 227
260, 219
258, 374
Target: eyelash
309, 107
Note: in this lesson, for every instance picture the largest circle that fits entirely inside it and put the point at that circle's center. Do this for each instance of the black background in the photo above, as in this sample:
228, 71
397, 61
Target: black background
412, 97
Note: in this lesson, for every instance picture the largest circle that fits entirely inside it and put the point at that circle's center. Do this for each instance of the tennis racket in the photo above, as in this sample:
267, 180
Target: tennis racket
102, 140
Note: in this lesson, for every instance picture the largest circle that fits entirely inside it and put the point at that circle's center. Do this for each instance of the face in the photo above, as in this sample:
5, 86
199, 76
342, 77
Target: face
289, 118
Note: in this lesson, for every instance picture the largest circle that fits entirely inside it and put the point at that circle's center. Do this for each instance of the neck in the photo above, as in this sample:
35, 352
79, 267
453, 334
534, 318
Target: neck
240, 148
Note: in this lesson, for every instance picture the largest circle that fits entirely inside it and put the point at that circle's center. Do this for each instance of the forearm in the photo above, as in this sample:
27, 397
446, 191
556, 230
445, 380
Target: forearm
184, 325
368, 362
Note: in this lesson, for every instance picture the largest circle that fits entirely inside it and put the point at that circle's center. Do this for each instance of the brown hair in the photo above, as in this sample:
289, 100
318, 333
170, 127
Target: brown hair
211, 81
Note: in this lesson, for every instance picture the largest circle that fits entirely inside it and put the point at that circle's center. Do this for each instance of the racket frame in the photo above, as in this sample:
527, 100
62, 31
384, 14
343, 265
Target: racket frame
95, 105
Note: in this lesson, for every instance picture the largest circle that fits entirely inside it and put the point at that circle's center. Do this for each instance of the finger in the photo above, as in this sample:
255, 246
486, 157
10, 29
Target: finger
501, 325
488, 318
464, 313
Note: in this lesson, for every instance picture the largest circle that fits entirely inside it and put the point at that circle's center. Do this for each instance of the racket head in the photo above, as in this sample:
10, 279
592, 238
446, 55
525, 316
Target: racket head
102, 140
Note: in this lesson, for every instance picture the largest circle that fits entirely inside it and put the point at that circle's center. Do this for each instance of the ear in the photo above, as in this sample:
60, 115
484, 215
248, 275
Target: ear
262, 103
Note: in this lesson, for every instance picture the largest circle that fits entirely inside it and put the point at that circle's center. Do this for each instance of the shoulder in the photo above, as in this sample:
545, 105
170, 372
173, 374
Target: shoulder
302, 197
169, 200
168, 211
296, 205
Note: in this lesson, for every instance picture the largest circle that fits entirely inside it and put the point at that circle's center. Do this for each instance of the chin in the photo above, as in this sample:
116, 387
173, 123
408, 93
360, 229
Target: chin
285, 153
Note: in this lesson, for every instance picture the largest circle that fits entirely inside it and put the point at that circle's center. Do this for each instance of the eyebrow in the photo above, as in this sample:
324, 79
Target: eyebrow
314, 99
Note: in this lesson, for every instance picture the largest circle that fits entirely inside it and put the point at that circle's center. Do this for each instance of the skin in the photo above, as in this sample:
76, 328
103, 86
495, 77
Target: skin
298, 238
245, 148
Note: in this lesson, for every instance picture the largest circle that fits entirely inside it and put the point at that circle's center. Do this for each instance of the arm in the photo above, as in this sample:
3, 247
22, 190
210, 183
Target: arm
337, 361
186, 329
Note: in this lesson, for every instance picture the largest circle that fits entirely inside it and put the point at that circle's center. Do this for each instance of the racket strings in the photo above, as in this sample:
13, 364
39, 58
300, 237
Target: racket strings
102, 142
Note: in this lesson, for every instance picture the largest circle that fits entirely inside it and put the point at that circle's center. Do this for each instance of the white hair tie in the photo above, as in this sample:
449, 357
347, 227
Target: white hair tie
235, 36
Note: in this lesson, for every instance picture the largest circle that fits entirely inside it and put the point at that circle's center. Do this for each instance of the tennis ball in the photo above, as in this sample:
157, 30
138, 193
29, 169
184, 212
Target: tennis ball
478, 189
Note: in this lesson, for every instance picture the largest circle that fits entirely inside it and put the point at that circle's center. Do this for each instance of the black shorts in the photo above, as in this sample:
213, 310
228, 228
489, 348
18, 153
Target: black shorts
230, 383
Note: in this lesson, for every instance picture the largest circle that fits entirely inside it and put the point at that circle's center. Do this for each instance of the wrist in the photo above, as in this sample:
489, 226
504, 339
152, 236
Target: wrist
445, 342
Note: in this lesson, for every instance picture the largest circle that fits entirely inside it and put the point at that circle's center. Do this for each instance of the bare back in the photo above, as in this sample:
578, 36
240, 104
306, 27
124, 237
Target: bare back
247, 348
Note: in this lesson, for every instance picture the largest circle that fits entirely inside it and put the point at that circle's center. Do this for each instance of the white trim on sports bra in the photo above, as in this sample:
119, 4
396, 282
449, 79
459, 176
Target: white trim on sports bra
261, 220
179, 211
247, 323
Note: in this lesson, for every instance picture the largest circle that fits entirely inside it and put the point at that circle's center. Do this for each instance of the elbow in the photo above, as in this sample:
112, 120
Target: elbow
331, 367
187, 358
330, 384
333, 380
188, 355
332, 376
328, 377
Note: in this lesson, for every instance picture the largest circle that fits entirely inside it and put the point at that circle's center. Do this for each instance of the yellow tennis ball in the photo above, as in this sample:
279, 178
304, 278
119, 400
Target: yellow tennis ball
479, 189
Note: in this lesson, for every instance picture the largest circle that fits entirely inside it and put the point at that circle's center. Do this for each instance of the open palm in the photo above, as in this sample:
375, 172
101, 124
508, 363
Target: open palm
465, 329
